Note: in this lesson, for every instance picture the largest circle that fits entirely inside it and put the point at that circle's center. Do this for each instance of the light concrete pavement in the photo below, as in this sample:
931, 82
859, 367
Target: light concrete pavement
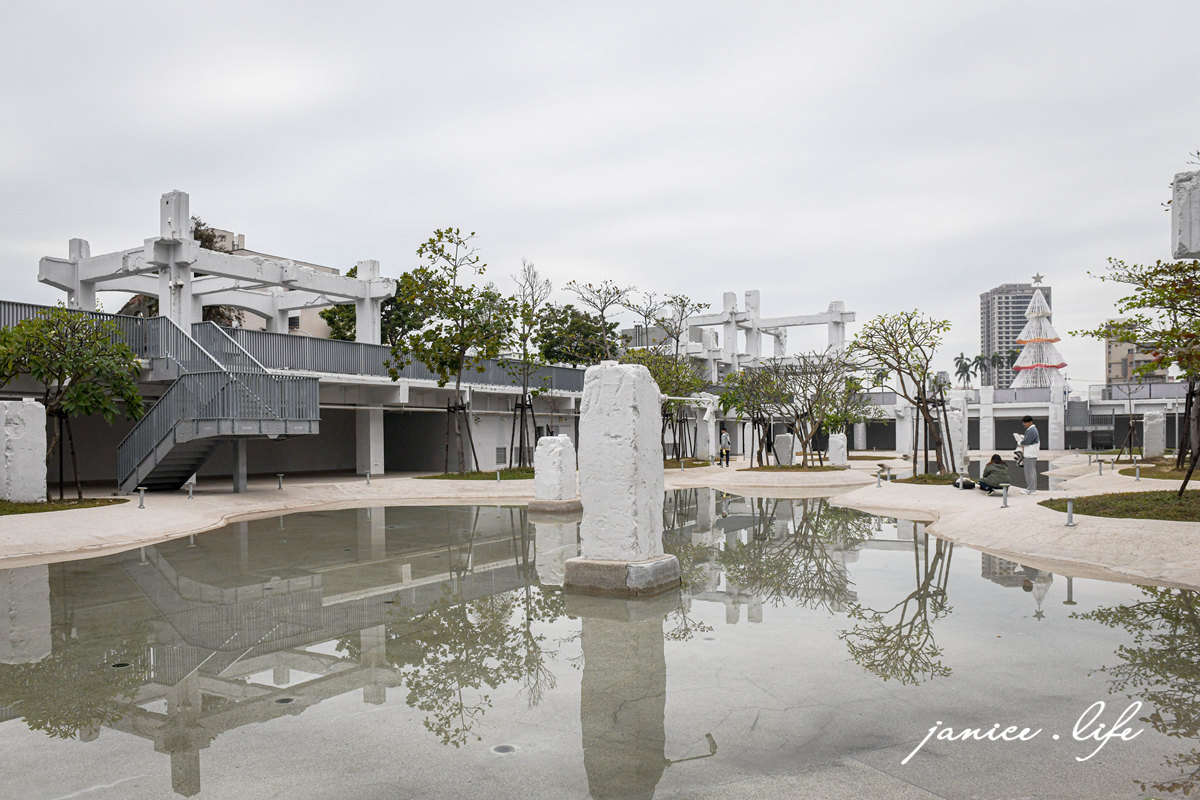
1126, 550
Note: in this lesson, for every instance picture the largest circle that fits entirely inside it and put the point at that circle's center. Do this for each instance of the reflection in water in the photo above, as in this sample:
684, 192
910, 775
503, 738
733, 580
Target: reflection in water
903, 647
1161, 665
181, 644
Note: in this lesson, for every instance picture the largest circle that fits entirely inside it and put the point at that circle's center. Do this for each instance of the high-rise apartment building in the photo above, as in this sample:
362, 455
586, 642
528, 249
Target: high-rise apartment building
1122, 358
1001, 318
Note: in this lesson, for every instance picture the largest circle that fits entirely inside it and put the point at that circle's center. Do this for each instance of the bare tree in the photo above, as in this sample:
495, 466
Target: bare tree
532, 291
647, 310
600, 298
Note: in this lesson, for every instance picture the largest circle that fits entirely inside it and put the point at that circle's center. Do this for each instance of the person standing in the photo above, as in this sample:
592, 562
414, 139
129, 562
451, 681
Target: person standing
1030, 445
726, 444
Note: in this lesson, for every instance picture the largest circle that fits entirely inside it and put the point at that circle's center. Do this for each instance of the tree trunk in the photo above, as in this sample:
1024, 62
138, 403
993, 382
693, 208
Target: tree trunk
1183, 438
49, 452
1193, 436
74, 461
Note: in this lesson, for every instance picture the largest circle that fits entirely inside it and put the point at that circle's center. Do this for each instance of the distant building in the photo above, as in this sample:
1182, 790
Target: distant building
1122, 358
1001, 318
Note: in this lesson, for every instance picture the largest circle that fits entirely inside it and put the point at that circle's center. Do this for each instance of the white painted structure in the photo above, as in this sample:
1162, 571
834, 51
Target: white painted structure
838, 455
22, 451
726, 357
1154, 434
555, 482
785, 446
1185, 215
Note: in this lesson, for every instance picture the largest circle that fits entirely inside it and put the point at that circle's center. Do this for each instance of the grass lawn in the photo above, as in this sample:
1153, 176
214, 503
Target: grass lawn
8, 507
1136, 505
673, 463
792, 468
876, 459
944, 479
514, 474
1159, 469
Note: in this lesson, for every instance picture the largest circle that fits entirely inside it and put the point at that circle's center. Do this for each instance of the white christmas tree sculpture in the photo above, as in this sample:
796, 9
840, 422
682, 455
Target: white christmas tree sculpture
1039, 362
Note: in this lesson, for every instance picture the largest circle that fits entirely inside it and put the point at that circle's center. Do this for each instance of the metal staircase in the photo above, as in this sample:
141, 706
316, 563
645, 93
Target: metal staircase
220, 393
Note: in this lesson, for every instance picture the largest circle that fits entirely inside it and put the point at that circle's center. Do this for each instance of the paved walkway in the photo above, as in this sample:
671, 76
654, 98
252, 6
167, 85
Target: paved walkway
1127, 550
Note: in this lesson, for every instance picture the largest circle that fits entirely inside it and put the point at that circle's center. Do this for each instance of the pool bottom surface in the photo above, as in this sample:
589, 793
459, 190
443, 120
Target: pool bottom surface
413, 652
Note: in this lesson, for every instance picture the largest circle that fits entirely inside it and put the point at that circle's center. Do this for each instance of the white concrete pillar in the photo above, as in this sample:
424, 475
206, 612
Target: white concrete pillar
83, 294
729, 329
904, 426
371, 533
987, 419
553, 543
837, 328
1154, 434
1056, 436
22, 451
368, 441
24, 614
368, 310
860, 436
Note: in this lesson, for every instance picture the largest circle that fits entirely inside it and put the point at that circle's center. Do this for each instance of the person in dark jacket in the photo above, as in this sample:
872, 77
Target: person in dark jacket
995, 473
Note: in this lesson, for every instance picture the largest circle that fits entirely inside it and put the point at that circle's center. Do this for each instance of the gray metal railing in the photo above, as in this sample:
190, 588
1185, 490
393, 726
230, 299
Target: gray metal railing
131, 327
283, 351
1039, 394
1169, 390
224, 348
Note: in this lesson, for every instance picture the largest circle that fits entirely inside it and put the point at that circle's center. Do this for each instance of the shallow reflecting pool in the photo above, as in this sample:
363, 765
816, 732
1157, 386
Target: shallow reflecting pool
427, 652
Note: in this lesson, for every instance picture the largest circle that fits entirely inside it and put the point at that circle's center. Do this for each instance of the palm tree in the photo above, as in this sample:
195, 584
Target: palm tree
962, 369
997, 364
980, 364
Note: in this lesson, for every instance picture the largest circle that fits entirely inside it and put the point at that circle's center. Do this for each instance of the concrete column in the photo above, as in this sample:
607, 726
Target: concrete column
860, 436
83, 295
753, 334
277, 321
22, 451
904, 426
1154, 434
368, 432
987, 419
729, 328
837, 328
1056, 436
239, 465
24, 614
368, 310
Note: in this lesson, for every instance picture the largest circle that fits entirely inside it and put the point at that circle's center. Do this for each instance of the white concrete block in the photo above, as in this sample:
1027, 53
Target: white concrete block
554, 543
22, 451
620, 463
838, 456
904, 426
24, 614
784, 444
554, 469
1154, 434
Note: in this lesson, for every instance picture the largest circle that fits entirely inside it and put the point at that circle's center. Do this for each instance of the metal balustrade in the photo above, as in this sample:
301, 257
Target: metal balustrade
130, 327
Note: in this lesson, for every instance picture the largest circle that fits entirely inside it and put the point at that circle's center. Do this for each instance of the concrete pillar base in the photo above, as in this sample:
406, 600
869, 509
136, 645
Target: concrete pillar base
622, 578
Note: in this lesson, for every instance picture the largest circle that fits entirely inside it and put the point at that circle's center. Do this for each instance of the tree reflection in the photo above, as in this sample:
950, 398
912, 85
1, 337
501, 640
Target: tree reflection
453, 654
801, 559
1161, 666
903, 647
98, 677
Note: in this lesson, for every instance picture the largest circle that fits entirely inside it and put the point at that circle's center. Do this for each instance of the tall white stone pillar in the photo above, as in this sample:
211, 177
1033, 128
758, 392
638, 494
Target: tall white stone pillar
837, 328
621, 486
838, 457
22, 451
1154, 434
904, 426
83, 294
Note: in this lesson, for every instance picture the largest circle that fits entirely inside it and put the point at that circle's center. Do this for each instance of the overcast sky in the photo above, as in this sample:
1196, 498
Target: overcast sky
893, 155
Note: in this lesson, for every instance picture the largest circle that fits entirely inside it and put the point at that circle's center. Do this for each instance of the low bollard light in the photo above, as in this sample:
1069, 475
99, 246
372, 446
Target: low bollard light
1100, 461
1070, 512
1137, 471
1089, 459
141, 490
191, 488
368, 477
280, 475
497, 476
878, 480
1004, 497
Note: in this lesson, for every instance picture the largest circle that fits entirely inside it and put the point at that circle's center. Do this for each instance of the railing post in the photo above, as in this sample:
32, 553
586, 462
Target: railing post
1004, 497
1070, 512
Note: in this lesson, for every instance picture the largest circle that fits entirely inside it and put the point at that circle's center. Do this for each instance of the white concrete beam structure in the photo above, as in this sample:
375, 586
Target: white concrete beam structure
183, 276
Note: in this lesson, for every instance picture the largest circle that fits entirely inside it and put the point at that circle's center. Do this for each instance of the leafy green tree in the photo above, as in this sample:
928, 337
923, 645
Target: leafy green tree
567, 335
818, 391
980, 366
752, 393
963, 369
83, 364
397, 319
903, 346
1163, 319
600, 298
466, 325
